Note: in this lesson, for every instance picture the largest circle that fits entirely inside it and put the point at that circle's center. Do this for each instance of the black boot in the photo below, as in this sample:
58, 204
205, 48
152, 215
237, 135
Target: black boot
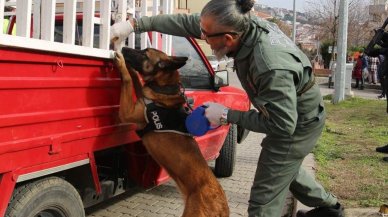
334, 211
382, 149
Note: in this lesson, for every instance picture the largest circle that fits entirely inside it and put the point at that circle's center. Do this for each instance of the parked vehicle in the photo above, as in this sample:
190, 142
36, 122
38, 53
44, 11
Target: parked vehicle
62, 148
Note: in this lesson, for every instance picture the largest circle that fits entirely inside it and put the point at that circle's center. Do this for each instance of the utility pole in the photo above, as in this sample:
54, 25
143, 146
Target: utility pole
294, 24
339, 83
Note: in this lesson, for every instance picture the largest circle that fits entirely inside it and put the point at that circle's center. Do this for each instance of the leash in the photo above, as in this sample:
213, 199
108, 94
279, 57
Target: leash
182, 93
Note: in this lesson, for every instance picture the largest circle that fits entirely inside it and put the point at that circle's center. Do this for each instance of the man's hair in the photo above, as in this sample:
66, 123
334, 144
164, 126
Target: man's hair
232, 13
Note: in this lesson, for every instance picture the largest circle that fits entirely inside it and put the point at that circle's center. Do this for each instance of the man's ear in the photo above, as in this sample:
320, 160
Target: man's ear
229, 40
173, 63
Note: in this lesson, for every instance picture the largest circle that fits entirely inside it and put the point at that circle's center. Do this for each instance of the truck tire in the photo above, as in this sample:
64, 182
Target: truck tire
224, 165
48, 197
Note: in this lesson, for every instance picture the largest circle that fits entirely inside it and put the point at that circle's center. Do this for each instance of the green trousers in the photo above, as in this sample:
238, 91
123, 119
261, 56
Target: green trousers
279, 171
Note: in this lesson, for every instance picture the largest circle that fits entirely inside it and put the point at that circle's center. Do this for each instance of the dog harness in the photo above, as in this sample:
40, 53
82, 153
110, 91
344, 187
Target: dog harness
160, 119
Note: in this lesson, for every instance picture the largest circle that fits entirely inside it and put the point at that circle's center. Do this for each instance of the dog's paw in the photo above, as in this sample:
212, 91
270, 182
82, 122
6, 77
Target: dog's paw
119, 59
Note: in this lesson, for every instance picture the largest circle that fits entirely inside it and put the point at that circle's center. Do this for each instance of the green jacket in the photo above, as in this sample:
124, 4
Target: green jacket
276, 75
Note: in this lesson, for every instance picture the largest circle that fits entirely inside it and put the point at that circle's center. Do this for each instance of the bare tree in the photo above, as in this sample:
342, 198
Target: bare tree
359, 27
324, 14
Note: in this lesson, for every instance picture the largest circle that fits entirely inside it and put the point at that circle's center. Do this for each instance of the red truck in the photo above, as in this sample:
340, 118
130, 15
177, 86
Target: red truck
62, 148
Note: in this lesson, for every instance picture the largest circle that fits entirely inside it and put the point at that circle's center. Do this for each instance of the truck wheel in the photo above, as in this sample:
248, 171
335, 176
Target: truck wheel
48, 197
224, 165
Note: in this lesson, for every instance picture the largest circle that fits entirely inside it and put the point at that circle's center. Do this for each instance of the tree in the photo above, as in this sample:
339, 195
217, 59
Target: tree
324, 15
324, 50
289, 17
359, 28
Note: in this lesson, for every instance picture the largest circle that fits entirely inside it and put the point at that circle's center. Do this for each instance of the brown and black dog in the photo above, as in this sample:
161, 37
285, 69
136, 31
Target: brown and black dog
178, 153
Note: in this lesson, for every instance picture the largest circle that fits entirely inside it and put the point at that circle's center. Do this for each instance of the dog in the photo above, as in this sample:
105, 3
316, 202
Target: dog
176, 151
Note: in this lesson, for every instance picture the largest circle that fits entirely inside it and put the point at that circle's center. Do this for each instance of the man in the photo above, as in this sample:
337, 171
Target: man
383, 51
384, 150
279, 81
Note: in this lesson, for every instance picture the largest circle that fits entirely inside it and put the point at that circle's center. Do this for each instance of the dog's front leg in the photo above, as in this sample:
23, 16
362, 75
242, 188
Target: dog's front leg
130, 110
136, 82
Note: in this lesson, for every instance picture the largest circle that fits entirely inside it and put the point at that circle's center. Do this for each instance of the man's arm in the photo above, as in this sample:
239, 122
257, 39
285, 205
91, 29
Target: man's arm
176, 24
276, 102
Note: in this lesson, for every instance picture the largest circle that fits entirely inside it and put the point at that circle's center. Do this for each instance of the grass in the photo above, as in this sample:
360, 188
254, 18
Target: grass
347, 163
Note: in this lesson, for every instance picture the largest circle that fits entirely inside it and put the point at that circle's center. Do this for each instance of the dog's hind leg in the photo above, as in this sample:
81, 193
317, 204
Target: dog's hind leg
182, 159
208, 201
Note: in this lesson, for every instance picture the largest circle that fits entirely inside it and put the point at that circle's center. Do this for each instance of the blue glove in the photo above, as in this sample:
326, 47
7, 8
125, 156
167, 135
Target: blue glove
216, 113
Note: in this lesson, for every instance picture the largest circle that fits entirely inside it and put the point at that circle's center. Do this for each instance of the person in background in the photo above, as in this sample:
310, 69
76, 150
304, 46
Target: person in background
384, 150
383, 51
6, 21
364, 69
278, 79
357, 73
373, 63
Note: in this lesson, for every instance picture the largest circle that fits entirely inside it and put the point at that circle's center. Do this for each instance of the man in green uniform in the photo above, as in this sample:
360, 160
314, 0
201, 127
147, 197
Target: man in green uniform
279, 81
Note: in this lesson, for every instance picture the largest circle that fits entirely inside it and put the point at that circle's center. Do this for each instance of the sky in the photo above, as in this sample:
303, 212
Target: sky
288, 4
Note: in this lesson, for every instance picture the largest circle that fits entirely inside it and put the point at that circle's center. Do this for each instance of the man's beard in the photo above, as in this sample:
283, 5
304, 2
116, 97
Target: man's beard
221, 53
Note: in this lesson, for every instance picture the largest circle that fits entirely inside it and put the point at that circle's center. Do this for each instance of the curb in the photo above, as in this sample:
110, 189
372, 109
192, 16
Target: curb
325, 81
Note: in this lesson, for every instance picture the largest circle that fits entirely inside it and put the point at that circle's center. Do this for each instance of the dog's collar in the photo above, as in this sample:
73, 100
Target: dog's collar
168, 89
171, 90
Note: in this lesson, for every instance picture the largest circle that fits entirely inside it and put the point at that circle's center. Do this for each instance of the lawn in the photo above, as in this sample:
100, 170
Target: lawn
347, 163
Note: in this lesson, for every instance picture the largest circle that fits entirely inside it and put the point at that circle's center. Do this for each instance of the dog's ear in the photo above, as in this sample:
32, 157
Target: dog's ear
173, 63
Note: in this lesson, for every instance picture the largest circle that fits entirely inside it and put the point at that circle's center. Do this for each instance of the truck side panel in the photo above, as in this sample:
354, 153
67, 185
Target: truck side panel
55, 110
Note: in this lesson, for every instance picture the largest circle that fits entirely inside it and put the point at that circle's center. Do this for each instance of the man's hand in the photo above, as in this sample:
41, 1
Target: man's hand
120, 31
214, 112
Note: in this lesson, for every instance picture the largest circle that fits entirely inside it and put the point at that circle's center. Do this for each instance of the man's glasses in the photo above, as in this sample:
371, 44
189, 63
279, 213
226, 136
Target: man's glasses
205, 35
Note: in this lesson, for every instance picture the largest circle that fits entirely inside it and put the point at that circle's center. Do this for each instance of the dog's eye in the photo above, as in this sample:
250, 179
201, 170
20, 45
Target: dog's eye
161, 64
148, 67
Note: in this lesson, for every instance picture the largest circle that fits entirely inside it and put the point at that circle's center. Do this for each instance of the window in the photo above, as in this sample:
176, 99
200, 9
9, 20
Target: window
194, 75
58, 34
